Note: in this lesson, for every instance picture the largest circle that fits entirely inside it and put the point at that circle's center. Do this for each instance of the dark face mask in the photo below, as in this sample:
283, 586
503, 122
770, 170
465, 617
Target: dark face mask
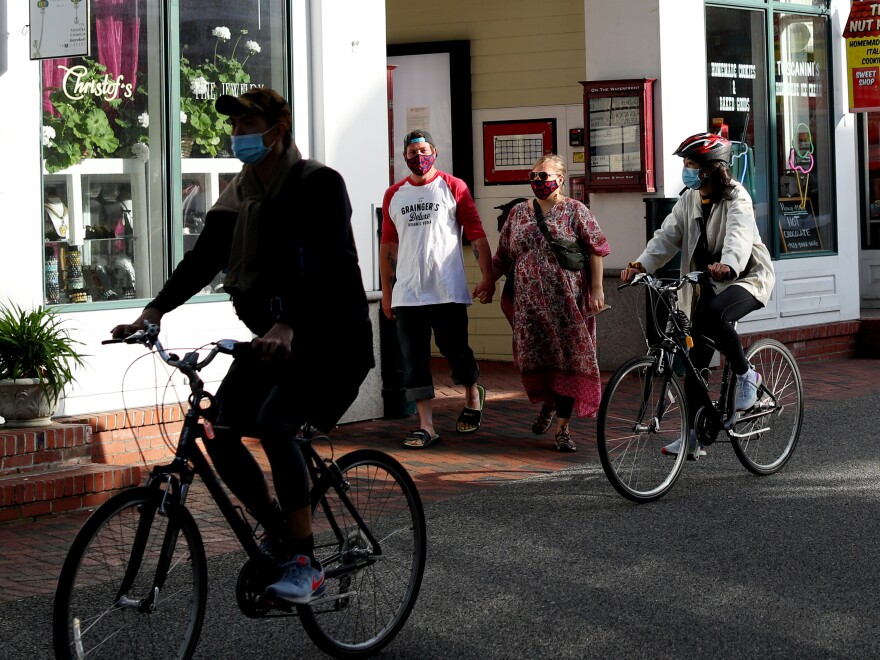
543, 189
421, 164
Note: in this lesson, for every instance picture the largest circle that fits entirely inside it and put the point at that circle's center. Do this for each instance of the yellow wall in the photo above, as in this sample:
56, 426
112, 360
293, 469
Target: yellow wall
523, 53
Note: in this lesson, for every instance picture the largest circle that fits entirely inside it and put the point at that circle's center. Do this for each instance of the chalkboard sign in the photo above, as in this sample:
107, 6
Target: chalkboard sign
798, 229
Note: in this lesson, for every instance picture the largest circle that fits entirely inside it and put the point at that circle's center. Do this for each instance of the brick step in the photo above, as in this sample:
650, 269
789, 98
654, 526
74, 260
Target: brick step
62, 489
26, 450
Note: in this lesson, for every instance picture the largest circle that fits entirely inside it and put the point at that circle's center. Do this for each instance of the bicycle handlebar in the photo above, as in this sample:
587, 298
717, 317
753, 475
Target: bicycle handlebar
665, 285
189, 364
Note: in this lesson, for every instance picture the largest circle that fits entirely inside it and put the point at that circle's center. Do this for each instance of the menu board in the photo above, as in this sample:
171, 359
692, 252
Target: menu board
798, 229
618, 139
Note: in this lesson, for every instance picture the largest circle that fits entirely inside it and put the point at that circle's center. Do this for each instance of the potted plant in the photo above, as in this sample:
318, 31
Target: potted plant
78, 128
204, 130
37, 357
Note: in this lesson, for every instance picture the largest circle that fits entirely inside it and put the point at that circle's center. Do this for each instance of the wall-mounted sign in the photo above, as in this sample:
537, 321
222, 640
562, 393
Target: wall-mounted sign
862, 34
59, 28
619, 137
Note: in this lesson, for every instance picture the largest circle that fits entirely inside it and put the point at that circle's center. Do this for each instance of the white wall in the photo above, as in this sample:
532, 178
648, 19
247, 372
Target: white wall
21, 202
350, 110
645, 38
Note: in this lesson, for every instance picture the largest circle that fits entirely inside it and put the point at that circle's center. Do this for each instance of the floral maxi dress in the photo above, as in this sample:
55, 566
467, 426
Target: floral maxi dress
554, 341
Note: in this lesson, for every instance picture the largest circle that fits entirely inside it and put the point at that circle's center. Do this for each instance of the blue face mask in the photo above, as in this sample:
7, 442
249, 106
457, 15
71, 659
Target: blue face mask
249, 149
691, 178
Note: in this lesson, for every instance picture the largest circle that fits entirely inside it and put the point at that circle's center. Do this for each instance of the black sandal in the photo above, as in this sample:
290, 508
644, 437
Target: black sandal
564, 441
545, 418
420, 439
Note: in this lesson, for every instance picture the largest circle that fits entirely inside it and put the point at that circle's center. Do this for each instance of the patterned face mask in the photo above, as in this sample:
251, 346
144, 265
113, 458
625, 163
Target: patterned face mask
421, 163
543, 189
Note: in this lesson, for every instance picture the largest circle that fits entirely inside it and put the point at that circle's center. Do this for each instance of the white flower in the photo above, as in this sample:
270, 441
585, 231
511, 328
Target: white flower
222, 33
144, 120
199, 86
252, 46
48, 134
140, 151
183, 117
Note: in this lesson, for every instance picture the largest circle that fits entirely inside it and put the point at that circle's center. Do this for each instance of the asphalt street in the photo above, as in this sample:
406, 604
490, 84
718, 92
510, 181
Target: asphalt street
728, 565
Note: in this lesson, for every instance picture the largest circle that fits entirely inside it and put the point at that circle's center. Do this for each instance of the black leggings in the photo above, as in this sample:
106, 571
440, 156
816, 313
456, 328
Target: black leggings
564, 406
714, 317
272, 404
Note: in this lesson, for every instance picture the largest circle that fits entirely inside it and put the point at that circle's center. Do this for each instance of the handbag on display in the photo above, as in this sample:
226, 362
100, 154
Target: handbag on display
570, 254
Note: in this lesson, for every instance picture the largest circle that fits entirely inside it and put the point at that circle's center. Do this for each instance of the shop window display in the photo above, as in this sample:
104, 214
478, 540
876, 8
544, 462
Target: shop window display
805, 222
871, 228
736, 73
95, 148
794, 212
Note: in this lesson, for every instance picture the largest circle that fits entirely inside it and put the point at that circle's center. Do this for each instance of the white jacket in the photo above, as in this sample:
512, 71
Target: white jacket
731, 231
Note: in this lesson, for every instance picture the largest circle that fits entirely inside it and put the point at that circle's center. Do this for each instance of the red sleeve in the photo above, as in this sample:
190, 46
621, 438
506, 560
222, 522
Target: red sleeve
465, 209
389, 230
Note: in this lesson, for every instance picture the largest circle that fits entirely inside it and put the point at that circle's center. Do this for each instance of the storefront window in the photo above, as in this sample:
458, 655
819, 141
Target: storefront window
805, 221
226, 48
95, 139
737, 82
808, 3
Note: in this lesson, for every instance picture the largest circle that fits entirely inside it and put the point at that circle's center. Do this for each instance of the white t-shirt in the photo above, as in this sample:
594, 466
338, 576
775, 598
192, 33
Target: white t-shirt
426, 222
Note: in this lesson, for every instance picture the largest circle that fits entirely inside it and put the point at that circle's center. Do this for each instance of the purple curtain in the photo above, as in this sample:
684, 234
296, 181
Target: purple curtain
118, 29
52, 77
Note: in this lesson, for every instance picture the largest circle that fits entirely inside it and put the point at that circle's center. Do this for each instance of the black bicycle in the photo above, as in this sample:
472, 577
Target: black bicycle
644, 408
134, 583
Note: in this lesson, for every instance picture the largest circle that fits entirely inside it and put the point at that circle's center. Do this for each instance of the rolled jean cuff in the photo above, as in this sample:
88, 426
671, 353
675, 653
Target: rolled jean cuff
472, 379
420, 393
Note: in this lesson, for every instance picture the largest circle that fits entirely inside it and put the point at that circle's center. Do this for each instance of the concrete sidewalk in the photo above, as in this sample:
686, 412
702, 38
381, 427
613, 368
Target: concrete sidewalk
504, 449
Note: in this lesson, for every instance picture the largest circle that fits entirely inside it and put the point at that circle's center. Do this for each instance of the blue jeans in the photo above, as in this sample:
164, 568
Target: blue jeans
449, 322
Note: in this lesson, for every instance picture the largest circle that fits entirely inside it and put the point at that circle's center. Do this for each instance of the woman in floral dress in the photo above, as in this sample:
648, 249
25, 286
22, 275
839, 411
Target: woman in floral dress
554, 332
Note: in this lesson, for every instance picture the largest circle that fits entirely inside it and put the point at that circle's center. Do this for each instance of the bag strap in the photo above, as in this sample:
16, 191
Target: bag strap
539, 219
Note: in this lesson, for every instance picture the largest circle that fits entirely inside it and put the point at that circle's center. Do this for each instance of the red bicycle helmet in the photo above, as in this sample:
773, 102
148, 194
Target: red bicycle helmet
705, 148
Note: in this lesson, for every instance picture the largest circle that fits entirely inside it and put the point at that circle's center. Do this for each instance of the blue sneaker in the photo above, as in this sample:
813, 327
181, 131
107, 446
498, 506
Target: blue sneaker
300, 582
747, 389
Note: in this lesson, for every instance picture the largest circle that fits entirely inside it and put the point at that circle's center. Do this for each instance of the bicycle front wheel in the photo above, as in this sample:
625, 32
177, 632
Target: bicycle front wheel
370, 591
117, 596
642, 411
772, 437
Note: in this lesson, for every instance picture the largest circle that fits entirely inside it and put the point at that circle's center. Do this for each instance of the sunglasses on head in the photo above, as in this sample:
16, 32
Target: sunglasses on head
543, 176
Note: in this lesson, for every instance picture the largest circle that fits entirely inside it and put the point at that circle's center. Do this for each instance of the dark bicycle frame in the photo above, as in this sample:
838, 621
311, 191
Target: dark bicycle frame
671, 344
189, 461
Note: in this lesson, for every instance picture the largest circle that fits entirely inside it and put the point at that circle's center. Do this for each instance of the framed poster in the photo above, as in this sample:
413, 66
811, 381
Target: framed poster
59, 28
619, 135
510, 149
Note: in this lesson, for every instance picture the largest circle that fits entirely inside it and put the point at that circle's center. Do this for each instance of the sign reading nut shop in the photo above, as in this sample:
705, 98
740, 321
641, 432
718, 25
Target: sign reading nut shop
862, 36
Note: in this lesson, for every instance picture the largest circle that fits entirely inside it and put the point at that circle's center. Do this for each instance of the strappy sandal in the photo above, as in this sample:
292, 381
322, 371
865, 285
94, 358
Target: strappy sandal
545, 418
564, 441
471, 419
420, 439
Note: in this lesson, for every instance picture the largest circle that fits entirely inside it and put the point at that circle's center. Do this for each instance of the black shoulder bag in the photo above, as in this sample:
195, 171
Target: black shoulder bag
570, 254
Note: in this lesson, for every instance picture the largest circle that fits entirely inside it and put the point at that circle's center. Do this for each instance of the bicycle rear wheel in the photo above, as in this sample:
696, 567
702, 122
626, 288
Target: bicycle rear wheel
642, 410
106, 603
781, 399
369, 596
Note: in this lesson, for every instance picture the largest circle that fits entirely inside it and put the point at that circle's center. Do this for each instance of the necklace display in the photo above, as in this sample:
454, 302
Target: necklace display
56, 211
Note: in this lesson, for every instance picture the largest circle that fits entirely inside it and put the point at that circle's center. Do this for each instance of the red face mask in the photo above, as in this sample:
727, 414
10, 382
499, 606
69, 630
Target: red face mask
420, 163
543, 189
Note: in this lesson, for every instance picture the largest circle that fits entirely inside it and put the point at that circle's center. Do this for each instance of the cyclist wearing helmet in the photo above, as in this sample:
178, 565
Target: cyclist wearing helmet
713, 225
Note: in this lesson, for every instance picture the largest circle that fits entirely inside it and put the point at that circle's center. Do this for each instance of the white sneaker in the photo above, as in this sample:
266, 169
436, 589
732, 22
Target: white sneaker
300, 583
694, 451
747, 389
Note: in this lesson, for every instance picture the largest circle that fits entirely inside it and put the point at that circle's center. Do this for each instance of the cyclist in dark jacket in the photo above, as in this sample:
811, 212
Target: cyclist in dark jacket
281, 231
